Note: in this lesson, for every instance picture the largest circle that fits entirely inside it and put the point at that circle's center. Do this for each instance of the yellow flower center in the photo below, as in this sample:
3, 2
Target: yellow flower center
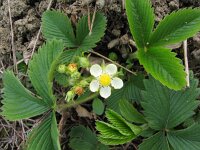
105, 80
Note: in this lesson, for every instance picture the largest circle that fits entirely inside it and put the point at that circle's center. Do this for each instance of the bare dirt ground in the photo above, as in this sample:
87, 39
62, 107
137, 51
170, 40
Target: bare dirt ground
25, 17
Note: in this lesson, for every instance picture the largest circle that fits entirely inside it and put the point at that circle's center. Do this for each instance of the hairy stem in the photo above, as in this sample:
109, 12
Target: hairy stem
62, 107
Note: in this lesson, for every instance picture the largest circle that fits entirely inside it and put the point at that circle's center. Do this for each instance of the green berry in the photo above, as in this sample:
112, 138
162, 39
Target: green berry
61, 68
69, 96
84, 62
75, 75
113, 56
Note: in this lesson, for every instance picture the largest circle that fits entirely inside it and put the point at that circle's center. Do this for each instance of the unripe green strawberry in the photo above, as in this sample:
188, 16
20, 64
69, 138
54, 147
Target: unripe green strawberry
84, 62
76, 75
69, 96
61, 68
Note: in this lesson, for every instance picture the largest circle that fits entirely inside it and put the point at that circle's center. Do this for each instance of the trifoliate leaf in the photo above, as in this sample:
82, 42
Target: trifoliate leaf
98, 106
56, 25
141, 20
162, 64
176, 27
165, 108
18, 102
45, 136
42, 68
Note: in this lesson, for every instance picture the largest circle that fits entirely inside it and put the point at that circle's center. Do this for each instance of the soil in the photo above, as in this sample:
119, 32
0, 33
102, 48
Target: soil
26, 16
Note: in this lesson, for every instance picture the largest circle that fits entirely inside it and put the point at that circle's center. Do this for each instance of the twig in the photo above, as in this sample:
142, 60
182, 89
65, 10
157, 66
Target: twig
123, 4
186, 63
2, 68
38, 34
23, 130
89, 21
113, 62
12, 39
93, 18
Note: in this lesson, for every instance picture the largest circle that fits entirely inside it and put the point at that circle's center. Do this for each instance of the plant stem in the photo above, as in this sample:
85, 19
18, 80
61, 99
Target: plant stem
61, 107
113, 62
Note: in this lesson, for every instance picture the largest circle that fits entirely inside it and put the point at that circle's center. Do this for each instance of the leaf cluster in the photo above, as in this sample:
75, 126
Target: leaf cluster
158, 60
165, 110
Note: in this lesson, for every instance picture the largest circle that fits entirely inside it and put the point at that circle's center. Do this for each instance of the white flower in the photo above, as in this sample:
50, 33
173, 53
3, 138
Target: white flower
105, 78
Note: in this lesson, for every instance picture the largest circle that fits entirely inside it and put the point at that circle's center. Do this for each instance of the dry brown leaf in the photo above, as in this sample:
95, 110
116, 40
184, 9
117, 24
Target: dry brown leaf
83, 112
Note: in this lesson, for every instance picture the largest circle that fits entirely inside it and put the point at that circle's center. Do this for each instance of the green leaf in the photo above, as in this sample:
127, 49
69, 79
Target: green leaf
141, 20
68, 55
186, 139
18, 102
110, 135
156, 142
56, 25
109, 131
62, 79
176, 27
45, 136
118, 131
163, 66
109, 141
98, 106
165, 108
131, 91
82, 138
130, 113
42, 68
86, 41
121, 124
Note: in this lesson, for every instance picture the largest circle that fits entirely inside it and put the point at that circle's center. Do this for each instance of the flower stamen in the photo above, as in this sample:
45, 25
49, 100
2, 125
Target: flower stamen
105, 80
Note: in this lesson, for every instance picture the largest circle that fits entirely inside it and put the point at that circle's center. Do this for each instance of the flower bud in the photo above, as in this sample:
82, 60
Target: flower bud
72, 67
69, 96
61, 68
79, 90
75, 75
84, 62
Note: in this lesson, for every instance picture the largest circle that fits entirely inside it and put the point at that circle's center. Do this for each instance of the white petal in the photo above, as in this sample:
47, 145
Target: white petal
94, 86
105, 92
117, 83
111, 69
96, 70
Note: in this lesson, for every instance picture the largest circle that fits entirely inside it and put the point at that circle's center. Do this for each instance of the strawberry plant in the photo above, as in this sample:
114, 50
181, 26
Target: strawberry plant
153, 109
